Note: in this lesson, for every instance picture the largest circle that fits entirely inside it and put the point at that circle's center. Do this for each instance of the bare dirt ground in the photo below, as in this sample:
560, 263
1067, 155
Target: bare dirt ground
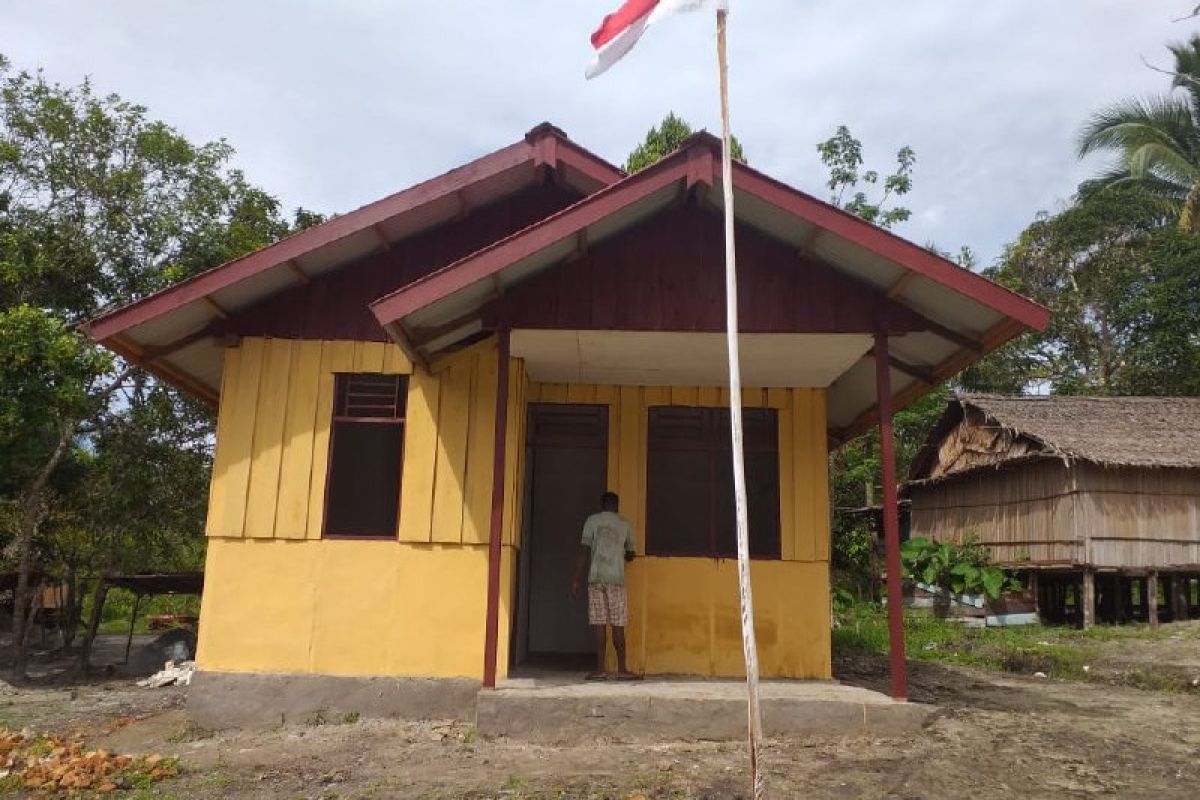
994, 735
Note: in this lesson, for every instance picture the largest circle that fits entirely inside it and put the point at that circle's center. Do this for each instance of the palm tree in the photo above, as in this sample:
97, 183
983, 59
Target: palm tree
1156, 140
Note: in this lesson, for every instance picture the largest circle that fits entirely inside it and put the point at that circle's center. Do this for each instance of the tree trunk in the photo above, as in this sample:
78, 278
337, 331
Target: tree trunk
1189, 220
32, 514
99, 593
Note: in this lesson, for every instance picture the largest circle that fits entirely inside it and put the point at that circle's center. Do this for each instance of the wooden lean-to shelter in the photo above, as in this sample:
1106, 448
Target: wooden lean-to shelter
1097, 498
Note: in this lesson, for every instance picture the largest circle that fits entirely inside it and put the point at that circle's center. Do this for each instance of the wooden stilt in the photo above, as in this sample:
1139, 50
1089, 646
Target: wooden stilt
137, 601
1152, 599
1087, 599
1034, 590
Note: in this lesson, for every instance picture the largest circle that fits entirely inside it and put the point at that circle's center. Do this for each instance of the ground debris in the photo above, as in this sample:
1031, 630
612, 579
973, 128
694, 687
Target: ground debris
60, 766
173, 672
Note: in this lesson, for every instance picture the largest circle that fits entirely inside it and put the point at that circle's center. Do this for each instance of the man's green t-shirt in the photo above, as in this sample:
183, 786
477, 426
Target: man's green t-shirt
610, 537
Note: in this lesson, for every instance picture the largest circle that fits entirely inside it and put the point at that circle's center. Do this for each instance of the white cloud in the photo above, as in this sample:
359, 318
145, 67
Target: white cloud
332, 105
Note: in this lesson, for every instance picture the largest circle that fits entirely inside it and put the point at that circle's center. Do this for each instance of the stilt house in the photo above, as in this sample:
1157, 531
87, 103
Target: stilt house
1097, 498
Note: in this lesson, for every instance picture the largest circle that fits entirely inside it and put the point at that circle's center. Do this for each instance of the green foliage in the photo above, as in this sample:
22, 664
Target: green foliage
664, 139
46, 369
856, 466
1060, 652
100, 205
842, 155
961, 567
118, 607
1156, 141
1124, 293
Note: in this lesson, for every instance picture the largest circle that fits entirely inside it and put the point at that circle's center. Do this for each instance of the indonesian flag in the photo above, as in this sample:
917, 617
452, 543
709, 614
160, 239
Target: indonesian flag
620, 30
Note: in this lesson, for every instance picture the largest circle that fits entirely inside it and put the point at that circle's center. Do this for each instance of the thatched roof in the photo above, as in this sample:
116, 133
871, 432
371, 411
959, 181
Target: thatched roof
1110, 431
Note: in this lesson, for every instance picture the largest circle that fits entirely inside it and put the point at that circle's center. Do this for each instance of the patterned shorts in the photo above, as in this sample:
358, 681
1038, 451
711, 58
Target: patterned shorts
606, 605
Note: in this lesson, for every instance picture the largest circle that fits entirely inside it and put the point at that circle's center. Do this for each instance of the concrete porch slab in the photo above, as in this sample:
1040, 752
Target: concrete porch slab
556, 710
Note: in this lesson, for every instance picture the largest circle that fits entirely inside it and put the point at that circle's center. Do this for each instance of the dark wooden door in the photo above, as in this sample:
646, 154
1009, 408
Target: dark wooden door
568, 472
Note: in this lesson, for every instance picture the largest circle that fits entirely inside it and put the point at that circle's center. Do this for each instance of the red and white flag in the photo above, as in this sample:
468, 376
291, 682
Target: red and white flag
620, 30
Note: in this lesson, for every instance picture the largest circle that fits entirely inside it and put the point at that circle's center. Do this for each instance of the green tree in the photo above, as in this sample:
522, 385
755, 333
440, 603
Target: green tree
664, 139
99, 205
1124, 292
1156, 141
842, 155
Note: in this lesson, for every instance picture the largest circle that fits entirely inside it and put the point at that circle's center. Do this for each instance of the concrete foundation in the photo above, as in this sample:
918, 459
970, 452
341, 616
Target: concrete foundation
249, 700
538, 710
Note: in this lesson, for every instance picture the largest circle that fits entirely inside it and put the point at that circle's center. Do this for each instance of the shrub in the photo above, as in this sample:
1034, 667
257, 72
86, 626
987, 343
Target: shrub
959, 567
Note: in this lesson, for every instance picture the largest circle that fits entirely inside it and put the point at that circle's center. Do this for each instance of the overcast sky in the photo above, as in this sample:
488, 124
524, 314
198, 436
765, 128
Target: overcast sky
334, 104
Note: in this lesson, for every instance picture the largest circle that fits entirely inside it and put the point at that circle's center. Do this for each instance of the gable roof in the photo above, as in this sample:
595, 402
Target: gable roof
164, 332
1109, 431
966, 314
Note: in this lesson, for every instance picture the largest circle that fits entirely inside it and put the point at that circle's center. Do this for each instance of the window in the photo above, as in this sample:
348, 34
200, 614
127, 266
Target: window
689, 482
362, 496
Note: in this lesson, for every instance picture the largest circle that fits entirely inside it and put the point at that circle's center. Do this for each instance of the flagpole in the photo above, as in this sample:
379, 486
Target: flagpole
749, 646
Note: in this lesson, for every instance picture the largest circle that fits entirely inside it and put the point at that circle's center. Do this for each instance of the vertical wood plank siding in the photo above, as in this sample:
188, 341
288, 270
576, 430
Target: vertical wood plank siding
669, 275
335, 306
273, 443
273, 440
803, 475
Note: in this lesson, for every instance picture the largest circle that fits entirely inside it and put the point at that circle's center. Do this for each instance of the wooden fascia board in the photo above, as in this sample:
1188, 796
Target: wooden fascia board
185, 383
398, 335
701, 167
491, 260
1001, 332
900, 251
584, 162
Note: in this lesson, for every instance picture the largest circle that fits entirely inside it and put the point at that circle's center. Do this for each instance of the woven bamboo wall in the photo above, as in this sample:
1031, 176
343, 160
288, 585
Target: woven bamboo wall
1044, 513
1140, 517
1024, 514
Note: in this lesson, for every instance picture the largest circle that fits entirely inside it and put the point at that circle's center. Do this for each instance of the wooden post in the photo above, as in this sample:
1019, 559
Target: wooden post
1180, 596
1152, 599
496, 531
891, 516
1087, 599
137, 601
1034, 590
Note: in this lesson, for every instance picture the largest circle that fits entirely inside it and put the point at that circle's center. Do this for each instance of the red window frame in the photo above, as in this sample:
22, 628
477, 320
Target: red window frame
365, 398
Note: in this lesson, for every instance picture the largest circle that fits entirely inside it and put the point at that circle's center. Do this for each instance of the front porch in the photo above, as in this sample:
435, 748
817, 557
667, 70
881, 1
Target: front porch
561, 707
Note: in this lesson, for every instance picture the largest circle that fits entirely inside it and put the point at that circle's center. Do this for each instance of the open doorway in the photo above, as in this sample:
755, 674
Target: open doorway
566, 472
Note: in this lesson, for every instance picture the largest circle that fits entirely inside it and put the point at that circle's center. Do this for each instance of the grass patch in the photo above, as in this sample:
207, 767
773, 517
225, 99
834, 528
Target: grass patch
1060, 652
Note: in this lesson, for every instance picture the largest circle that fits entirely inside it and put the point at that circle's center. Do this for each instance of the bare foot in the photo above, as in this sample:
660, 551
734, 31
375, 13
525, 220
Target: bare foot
628, 676
596, 676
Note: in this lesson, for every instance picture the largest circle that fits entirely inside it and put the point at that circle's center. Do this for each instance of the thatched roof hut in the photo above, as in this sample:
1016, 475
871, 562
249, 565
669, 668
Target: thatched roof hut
1066, 483
984, 429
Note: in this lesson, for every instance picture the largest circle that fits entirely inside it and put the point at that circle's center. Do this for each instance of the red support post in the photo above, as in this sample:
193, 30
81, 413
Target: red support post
891, 518
496, 532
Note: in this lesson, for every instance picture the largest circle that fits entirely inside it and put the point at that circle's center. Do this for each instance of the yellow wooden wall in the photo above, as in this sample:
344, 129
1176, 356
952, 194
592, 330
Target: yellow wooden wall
803, 471
279, 598
273, 440
348, 607
684, 613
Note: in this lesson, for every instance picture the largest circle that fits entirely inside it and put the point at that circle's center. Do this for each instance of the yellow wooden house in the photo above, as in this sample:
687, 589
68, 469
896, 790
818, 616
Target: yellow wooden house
420, 401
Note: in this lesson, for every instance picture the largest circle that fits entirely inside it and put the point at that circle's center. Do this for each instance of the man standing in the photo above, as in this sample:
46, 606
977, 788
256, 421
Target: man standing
606, 545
